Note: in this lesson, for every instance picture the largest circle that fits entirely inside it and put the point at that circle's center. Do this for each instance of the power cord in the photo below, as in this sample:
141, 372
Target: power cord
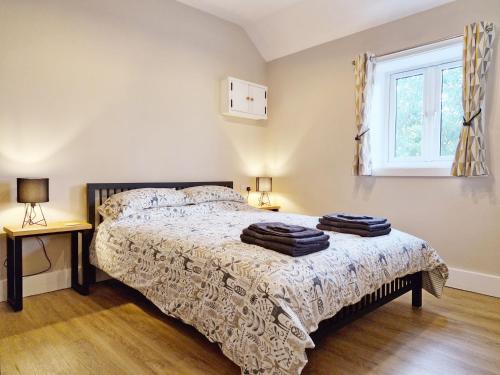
46, 257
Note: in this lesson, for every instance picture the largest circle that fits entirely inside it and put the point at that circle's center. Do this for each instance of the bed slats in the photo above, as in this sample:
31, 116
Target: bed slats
370, 302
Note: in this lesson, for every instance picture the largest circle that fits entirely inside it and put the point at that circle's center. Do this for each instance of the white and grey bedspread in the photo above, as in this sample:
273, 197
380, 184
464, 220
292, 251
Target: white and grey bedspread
260, 306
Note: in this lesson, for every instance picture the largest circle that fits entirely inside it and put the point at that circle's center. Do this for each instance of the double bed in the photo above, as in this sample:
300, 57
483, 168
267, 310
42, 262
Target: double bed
260, 306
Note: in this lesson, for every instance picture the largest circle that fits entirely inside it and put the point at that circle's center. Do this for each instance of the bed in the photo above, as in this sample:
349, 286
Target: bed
260, 306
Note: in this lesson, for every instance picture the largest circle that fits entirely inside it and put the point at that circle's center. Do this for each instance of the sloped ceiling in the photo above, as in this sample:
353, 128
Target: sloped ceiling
282, 27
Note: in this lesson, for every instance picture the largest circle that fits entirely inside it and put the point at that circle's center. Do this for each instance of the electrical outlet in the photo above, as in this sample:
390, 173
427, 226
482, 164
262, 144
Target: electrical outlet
245, 188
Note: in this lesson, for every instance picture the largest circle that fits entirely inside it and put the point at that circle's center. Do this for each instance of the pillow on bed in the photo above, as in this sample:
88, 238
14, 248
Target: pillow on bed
210, 193
125, 203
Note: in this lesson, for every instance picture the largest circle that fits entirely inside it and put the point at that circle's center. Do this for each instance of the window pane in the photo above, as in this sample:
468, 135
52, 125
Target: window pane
451, 110
409, 116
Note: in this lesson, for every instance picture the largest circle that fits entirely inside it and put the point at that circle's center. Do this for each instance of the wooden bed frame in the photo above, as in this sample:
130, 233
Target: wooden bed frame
98, 193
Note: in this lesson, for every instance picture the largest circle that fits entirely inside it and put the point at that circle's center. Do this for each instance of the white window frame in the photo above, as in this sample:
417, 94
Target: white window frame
390, 124
430, 61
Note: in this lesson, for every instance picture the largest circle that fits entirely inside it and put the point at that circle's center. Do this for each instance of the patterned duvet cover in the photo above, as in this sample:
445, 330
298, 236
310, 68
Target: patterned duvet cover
260, 306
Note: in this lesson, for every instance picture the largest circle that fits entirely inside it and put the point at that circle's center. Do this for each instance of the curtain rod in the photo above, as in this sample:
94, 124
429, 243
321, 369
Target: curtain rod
416, 46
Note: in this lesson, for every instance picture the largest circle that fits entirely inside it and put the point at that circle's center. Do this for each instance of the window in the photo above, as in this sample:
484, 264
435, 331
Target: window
417, 110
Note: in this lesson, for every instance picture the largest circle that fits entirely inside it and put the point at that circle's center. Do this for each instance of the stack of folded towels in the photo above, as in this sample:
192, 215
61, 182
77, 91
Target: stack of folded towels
293, 240
365, 226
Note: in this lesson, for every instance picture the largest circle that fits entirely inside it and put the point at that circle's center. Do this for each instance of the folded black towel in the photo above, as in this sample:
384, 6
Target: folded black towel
286, 240
370, 227
344, 218
359, 232
293, 251
284, 230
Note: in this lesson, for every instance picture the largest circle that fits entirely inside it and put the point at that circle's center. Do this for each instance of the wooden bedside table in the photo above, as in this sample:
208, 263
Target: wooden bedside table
15, 235
270, 208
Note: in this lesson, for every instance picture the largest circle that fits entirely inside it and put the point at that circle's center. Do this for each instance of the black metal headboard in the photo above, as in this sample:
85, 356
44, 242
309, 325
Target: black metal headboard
98, 193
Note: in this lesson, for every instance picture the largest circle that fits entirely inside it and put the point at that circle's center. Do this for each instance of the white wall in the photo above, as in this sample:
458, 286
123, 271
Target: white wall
116, 90
126, 90
310, 143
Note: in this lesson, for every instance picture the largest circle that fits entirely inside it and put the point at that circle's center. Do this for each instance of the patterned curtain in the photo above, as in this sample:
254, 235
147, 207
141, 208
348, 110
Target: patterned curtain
470, 157
363, 74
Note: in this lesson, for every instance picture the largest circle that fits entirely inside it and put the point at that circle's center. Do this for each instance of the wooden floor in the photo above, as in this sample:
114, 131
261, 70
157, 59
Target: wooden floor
116, 331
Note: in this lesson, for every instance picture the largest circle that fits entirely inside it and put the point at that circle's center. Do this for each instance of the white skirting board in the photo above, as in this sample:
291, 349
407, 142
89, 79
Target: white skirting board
47, 282
43, 283
477, 282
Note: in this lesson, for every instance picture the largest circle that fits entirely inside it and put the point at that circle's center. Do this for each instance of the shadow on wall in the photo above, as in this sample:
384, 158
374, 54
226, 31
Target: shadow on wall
3, 256
477, 188
474, 188
363, 187
33, 258
5, 199
5, 194
78, 200
244, 121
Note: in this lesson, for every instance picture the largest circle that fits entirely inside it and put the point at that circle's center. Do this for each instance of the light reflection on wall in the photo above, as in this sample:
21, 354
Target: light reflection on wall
14, 212
246, 137
27, 146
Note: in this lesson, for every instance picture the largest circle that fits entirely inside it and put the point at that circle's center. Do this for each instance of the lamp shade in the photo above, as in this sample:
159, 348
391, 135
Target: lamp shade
32, 190
264, 184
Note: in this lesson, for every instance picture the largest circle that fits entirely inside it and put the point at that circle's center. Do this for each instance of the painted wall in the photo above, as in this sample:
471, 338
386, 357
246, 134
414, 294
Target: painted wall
121, 90
116, 90
310, 143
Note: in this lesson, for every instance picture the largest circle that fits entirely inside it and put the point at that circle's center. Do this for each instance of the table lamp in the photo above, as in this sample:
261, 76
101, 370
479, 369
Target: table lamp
32, 192
264, 186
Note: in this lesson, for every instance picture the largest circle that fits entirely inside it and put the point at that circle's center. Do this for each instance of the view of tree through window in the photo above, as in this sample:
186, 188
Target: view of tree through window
451, 110
418, 110
409, 116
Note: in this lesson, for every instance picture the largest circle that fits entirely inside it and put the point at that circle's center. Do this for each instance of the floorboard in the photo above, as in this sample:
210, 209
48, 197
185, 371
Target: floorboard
116, 331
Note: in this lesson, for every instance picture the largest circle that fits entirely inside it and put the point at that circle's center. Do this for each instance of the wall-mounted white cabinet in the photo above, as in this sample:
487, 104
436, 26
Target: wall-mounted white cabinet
243, 99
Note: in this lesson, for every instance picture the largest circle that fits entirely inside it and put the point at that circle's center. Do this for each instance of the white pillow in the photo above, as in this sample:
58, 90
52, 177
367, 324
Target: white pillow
210, 193
126, 203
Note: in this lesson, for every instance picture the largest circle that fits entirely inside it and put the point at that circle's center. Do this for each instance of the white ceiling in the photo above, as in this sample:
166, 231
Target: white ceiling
242, 12
282, 27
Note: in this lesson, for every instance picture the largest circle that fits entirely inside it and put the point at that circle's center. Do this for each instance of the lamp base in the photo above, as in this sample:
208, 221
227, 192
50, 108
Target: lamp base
30, 215
264, 199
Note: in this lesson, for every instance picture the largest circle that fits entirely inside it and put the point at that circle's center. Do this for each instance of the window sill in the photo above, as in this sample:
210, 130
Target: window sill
412, 172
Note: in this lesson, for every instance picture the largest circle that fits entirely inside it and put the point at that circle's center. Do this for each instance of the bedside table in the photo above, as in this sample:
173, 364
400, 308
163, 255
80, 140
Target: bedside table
270, 208
15, 235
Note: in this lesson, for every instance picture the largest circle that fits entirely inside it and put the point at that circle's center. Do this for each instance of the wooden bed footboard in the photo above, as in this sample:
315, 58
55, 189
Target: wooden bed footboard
386, 293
